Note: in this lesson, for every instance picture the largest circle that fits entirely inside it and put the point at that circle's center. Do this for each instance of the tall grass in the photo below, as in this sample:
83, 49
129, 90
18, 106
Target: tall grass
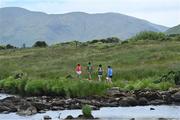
135, 66
60, 87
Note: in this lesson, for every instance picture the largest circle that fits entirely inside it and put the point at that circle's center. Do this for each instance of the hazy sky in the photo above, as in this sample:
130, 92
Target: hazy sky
164, 12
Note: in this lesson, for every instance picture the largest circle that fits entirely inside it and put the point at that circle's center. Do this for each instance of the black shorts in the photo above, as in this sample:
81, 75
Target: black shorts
110, 76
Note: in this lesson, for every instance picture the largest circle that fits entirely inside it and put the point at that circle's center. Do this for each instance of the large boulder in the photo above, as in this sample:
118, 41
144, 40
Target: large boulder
46, 117
176, 96
3, 108
128, 101
26, 109
157, 102
41, 106
143, 101
149, 95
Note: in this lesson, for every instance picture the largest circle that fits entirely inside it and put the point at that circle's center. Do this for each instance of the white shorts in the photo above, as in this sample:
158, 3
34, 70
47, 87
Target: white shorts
78, 72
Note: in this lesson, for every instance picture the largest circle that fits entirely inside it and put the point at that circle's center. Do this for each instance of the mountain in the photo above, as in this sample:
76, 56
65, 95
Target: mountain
18, 26
173, 30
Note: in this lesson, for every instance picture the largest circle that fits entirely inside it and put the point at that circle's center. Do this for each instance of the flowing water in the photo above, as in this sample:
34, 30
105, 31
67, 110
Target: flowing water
108, 113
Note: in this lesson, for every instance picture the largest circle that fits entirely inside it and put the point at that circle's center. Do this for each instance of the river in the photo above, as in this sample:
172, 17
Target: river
113, 113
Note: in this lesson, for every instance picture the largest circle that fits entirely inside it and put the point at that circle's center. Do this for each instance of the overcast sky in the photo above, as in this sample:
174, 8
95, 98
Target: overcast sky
164, 12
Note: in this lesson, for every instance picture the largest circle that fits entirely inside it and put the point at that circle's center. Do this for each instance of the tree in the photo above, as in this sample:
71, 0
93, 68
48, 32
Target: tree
40, 44
9, 46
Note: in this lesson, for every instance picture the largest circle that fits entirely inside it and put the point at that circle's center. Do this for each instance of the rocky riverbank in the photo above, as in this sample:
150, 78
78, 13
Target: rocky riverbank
114, 98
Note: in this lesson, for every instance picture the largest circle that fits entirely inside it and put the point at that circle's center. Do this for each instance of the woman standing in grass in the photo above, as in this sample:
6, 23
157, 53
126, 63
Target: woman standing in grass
89, 70
100, 72
78, 70
109, 74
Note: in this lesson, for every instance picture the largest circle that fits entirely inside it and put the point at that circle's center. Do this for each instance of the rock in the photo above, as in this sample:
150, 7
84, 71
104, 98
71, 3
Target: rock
113, 91
41, 106
143, 101
58, 103
46, 117
176, 96
3, 108
55, 108
128, 101
157, 102
42, 111
152, 109
132, 119
27, 110
69, 117
5, 112
149, 95
162, 119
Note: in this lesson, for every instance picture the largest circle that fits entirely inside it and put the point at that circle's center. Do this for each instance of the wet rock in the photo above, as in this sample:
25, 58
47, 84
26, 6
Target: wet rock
114, 91
46, 117
176, 96
149, 95
55, 108
42, 111
69, 117
27, 109
40, 106
3, 108
129, 101
157, 102
58, 103
143, 101
5, 112
152, 109
162, 119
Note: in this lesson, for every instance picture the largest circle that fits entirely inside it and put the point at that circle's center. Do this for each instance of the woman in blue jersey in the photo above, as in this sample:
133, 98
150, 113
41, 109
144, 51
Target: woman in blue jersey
109, 74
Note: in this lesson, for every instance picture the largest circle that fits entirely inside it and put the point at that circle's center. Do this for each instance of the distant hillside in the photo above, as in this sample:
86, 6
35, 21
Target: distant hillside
174, 30
20, 26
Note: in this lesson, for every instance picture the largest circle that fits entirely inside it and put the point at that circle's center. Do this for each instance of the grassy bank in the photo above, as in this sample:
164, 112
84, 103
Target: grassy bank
136, 65
71, 88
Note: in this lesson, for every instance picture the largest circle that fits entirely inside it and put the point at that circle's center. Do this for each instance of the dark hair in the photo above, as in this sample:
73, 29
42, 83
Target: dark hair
78, 64
89, 63
100, 65
109, 66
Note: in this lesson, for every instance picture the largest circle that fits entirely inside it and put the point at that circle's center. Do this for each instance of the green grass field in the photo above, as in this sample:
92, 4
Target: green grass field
136, 65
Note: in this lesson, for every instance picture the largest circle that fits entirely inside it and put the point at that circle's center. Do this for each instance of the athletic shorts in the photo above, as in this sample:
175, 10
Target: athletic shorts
78, 72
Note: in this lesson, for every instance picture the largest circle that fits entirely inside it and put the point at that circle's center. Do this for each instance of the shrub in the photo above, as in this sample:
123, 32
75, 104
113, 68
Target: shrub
87, 111
8, 46
34, 87
149, 35
40, 44
107, 40
2, 47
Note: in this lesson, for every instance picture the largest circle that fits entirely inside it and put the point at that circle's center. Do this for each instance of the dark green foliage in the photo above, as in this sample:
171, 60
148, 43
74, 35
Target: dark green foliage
40, 44
2, 47
108, 40
87, 111
60, 87
149, 35
171, 77
125, 42
8, 46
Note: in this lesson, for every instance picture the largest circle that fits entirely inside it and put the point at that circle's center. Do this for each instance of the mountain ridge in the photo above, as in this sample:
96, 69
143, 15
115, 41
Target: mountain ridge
24, 26
173, 30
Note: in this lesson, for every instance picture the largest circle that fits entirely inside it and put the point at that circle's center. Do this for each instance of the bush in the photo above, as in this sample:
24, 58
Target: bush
2, 47
8, 46
107, 40
40, 44
87, 111
149, 35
